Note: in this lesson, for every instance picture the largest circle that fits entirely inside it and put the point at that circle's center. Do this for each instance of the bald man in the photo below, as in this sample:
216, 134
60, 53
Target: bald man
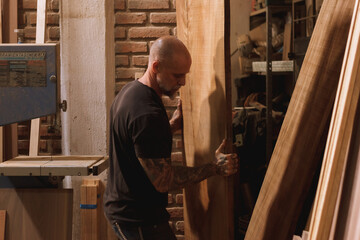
140, 173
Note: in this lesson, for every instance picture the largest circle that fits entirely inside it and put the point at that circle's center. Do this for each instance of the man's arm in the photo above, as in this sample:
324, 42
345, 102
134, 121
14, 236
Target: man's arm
165, 177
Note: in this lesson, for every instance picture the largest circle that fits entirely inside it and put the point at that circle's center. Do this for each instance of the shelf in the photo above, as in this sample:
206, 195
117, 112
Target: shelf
258, 12
277, 66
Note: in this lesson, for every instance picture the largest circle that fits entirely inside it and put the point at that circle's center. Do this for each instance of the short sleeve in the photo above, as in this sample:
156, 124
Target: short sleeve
151, 136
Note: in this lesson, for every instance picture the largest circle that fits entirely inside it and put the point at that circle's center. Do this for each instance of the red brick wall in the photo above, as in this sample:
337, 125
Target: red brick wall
137, 24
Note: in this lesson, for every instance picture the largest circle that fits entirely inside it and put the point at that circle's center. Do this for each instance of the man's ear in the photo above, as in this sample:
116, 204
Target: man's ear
155, 66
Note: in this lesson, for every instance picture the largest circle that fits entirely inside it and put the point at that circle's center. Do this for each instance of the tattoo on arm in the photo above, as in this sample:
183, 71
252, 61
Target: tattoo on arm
165, 177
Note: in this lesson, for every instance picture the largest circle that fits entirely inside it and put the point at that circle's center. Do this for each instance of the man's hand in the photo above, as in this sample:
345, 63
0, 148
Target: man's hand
226, 164
176, 121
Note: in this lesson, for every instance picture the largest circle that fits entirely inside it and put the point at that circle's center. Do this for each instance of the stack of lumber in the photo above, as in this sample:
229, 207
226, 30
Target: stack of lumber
302, 138
341, 129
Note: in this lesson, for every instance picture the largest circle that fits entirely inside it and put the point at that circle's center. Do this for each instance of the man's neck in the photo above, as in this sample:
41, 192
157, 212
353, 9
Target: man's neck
149, 80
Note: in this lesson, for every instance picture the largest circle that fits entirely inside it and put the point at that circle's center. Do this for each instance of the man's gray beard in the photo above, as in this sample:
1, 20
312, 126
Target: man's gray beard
170, 93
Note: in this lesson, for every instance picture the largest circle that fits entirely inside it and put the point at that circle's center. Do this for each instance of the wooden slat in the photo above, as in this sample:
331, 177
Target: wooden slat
339, 137
37, 213
1, 21
40, 38
202, 26
348, 222
61, 157
1, 143
67, 168
302, 137
2, 224
90, 217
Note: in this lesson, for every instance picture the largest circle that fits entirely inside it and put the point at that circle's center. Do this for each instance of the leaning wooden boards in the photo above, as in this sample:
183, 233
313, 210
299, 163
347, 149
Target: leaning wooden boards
303, 134
339, 138
201, 26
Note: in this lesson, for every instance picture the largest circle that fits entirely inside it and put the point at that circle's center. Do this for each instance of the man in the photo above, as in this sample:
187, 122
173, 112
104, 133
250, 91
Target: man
140, 173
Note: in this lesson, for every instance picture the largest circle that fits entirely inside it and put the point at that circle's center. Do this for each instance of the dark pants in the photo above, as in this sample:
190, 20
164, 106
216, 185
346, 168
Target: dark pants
153, 232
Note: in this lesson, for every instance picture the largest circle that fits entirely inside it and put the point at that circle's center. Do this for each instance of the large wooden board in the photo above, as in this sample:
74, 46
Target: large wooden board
340, 132
302, 138
37, 213
203, 27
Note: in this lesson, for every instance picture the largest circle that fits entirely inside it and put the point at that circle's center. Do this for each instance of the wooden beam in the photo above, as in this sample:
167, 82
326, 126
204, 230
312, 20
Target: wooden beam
338, 143
302, 138
2, 224
40, 38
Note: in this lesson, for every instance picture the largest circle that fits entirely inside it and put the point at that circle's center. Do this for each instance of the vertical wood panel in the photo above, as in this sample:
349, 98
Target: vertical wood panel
303, 134
37, 213
202, 26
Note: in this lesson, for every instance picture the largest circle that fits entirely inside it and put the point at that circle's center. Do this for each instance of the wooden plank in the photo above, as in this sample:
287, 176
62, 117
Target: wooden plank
341, 128
67, 168
202, 26
299, 147
90, 209
37, 213
348, 221
21, 168
2, 224
287, 41
13, 20
61, 157
1, 21
40, 38
1, 143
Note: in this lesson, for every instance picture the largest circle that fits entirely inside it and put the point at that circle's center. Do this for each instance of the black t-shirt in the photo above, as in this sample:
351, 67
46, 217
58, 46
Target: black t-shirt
139, 127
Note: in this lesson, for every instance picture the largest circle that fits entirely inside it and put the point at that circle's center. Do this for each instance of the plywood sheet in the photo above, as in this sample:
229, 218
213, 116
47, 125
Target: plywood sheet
202, 26
303, 134
37, 213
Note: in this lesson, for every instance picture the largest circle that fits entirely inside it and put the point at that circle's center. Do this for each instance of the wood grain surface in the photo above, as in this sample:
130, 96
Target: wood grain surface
302, 138
340, 133
41, 214
202, 26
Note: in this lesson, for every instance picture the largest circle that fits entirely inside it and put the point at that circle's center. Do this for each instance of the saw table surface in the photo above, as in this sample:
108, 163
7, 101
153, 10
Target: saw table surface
52, 165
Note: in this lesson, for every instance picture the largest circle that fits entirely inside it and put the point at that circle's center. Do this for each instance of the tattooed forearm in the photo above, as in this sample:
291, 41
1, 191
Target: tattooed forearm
165, 177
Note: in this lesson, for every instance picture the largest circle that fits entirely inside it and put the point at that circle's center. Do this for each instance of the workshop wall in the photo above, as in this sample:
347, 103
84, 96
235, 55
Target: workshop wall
137, 24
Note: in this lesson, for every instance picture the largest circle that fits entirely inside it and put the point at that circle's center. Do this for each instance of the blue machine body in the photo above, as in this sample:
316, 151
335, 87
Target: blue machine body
28, 81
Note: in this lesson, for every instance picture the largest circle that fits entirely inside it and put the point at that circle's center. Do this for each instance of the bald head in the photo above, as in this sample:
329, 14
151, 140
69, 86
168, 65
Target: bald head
167, 49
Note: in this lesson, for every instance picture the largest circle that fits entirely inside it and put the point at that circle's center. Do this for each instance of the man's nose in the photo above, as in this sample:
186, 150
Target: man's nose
181, 81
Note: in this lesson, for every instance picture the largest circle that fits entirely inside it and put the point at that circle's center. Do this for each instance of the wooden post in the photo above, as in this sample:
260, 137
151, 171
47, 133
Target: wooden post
90, 205
40, 38
2, 224
1, 128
